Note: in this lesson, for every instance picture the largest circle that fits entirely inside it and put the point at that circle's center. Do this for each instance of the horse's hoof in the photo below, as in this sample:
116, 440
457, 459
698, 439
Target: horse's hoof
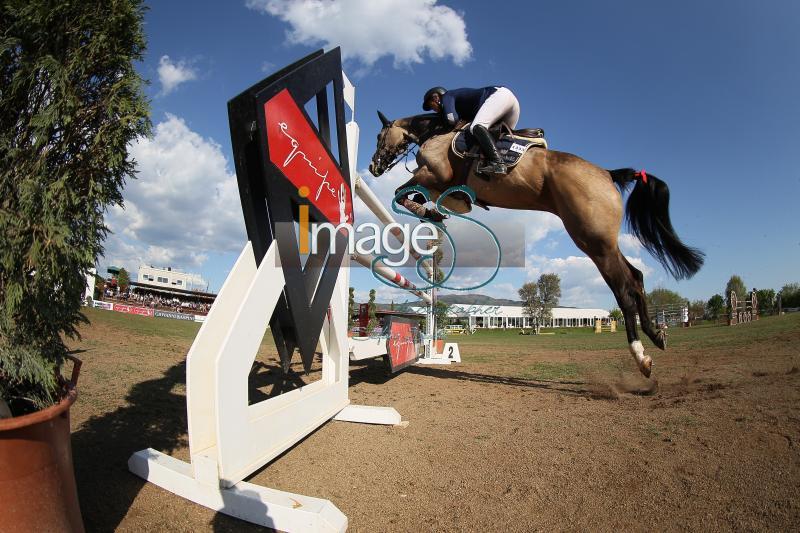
646, 366
435, 216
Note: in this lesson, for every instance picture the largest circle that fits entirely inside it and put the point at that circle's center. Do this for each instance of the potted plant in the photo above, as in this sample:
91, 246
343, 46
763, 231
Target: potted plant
71, 103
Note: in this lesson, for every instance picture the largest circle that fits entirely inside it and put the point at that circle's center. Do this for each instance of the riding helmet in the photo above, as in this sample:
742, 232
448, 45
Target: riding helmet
434, 90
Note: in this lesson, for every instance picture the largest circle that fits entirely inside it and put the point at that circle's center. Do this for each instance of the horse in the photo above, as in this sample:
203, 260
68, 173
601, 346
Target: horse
587, 198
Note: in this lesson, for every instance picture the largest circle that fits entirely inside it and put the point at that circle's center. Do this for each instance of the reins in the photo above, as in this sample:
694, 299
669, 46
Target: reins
419, 141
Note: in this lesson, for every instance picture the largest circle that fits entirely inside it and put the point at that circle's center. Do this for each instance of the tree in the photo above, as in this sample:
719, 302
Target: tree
715, 305
372, 321
351, 309
539, 299
99, 287
440, 312
660, 297
735, 284
766, 299
123, 280
615, 314
697, 310
790, 295
71, 103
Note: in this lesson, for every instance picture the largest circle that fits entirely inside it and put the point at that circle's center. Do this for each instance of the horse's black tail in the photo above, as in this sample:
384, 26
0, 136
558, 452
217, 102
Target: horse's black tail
647, 214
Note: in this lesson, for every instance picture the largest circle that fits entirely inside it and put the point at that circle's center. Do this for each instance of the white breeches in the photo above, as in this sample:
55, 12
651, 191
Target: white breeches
502, 106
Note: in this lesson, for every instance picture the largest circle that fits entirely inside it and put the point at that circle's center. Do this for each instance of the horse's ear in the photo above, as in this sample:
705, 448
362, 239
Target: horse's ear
385, 121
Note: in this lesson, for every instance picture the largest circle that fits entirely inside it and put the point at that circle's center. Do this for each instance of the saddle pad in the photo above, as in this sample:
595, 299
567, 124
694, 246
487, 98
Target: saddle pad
510, 147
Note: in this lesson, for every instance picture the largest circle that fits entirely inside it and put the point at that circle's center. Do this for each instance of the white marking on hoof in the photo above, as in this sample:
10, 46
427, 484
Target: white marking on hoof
644, 362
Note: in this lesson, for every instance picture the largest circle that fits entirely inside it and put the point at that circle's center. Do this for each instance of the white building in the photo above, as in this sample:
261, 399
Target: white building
169, 278
510, 316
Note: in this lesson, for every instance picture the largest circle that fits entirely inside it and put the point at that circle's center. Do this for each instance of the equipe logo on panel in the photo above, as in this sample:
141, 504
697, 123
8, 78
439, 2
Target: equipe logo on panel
295, 149
287, 169
402, 345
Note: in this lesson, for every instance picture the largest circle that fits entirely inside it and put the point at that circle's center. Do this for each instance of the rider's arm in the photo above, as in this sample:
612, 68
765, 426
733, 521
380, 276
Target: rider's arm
449, 108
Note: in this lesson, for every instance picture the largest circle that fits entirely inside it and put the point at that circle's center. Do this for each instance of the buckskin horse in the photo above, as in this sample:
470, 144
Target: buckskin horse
586, 197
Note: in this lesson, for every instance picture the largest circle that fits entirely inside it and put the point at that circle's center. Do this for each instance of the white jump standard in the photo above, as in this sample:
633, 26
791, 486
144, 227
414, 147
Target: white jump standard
229, 439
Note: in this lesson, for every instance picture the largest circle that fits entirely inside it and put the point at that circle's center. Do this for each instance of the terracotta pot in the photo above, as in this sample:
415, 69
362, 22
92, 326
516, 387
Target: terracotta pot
37, 482
439, 345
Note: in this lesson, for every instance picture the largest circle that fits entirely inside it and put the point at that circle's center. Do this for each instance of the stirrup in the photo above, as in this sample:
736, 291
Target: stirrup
492, 167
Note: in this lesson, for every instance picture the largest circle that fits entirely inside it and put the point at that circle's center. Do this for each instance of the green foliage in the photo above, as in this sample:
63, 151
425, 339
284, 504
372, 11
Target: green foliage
790, 295
715, 306
99, 287
372, 322
539, 299
123, 280
697, 310
615, 314
766, 299
661, 296
71, 104
440, 311
351, 309
736, 285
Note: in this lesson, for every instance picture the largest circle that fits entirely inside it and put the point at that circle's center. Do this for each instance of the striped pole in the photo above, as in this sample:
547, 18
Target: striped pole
391, 275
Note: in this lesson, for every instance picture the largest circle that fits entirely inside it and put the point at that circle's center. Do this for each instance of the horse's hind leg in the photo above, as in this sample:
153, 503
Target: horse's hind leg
657, 337
616, 272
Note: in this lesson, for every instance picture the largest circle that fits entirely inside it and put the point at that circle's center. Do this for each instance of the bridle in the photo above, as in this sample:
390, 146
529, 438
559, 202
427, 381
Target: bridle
403, 149
400, 152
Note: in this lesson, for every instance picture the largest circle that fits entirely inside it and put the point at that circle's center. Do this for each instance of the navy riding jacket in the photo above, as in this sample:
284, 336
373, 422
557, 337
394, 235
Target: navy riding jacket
464, 103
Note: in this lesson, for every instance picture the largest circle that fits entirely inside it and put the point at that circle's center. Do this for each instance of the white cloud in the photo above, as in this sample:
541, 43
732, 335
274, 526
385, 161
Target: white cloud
171, 75
407, 30
629, 244
581, 282
183, 205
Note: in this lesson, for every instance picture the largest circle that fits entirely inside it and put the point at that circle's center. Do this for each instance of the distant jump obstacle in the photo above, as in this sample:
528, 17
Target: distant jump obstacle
382, 346
305, 307
599, 327
671, 315
742, 311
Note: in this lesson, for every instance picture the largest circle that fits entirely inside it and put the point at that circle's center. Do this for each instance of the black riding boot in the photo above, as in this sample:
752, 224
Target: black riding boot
492, 164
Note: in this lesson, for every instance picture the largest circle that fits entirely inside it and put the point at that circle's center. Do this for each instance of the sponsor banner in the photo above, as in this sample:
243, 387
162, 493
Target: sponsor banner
133, 310
171, 314
108, 306
297, 151
403, 342
199, 318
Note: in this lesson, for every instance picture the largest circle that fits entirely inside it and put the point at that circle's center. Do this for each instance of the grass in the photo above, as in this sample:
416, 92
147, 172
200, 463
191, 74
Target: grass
585, 339
144, 325
505, 346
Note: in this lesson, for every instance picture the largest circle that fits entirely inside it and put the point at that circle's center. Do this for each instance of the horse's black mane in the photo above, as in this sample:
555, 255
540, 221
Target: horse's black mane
428, 125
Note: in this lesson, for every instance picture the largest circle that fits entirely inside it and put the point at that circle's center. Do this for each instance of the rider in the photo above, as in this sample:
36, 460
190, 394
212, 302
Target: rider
483, 107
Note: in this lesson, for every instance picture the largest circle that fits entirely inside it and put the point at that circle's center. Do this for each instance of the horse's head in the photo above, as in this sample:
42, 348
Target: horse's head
393, 140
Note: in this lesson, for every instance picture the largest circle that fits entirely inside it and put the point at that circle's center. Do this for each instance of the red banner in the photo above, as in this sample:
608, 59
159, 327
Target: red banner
402, 343
123, 308
297, 151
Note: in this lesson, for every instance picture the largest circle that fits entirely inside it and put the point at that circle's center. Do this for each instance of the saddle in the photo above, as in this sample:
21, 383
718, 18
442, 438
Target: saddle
511, 144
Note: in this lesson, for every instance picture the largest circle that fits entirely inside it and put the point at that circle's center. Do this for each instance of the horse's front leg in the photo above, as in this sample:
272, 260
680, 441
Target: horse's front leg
413, 201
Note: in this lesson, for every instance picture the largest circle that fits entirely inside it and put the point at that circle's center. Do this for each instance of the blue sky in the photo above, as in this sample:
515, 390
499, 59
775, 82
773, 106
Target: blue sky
702, 94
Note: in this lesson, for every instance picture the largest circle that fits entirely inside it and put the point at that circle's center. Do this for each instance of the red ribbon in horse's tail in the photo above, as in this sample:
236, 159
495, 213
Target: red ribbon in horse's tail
642, 174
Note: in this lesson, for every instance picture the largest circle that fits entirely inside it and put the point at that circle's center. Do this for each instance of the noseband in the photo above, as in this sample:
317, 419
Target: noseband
395, 156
